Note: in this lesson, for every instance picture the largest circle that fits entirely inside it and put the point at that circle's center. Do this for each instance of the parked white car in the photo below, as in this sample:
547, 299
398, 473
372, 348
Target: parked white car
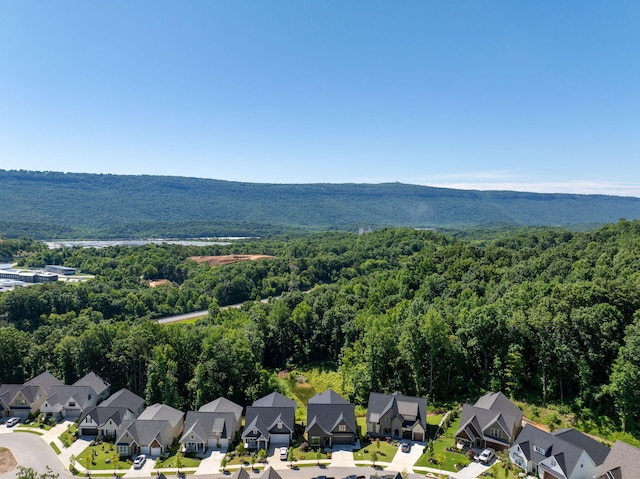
12, 421
284, 452
486, 456
139, 461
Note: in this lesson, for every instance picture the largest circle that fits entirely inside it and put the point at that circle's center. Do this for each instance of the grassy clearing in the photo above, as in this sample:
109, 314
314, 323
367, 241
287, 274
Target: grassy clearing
102, 456
439, 457
301, 385
434, 419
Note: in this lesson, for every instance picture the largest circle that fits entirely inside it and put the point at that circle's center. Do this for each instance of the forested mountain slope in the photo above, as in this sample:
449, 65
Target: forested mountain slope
545, 315
49, 204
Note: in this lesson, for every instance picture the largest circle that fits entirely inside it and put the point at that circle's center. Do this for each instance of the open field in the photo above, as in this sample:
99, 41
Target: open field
227, 259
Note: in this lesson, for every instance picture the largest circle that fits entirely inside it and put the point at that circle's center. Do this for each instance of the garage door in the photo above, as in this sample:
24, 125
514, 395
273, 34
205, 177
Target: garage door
156, 451
343, 439
279, 439
89, 431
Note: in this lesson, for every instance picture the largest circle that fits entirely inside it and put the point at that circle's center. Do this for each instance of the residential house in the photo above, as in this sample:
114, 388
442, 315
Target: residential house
151, 433
20, 400
270, 421
68, 401
623, 462
104, 419
331, 420
493, 421
127, 399
214, 425
563, 454
398, 416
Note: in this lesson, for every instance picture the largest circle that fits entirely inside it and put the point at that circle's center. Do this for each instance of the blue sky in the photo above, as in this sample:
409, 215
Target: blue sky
534, 96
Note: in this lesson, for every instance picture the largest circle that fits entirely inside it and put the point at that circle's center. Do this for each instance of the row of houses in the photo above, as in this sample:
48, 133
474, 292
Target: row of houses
496, 422
269, 421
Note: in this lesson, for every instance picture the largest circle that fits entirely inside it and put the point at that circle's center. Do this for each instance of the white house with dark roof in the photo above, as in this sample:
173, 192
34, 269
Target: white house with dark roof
104, 419
152, 433
20, 400
398, 416
563, 454
270, 421
68, 401
214, 425
493, 421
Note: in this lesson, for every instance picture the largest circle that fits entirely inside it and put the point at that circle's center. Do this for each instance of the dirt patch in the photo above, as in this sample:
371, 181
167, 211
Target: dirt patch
227, 259
7, 461
158, 282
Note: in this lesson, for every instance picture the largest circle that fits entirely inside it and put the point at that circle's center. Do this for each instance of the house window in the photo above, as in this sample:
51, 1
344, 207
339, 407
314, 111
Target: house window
495, 432
192, 437
72, 404
342, 428
123, 449
315, 440
539, 450
280, 425
254, 432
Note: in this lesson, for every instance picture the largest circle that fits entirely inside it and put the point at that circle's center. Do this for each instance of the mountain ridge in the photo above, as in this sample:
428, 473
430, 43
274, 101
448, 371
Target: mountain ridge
39, 204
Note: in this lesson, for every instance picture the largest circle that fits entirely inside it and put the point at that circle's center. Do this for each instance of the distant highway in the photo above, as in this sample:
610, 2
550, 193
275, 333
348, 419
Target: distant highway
202, 314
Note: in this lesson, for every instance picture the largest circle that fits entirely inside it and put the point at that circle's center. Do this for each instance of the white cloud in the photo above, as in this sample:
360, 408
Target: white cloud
586, 187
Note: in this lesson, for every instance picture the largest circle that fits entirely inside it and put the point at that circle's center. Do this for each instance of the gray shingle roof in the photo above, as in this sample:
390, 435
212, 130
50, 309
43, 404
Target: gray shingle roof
489, 409
124, 398
205, 424
380, 403
622, 462
223, 405
566, 453
265, 421
101, 414
161, 412
60, 395
274, 399
596, 450
94, 381
327, 409
45, 380
145, 431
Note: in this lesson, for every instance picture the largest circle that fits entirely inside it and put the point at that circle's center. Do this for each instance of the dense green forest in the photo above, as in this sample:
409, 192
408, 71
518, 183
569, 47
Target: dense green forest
545, 315
77, 205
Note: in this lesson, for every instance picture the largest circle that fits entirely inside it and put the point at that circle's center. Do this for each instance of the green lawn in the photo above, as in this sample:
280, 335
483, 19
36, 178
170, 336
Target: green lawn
101, 456
69, 436
384, 453
434, 419
172, 460
39, 425
445, 459
55, 447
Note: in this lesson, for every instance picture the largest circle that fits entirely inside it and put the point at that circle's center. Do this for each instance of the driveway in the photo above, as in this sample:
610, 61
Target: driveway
145, 471
211, 463
30, 451
273, 459
472, 471
404, 461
